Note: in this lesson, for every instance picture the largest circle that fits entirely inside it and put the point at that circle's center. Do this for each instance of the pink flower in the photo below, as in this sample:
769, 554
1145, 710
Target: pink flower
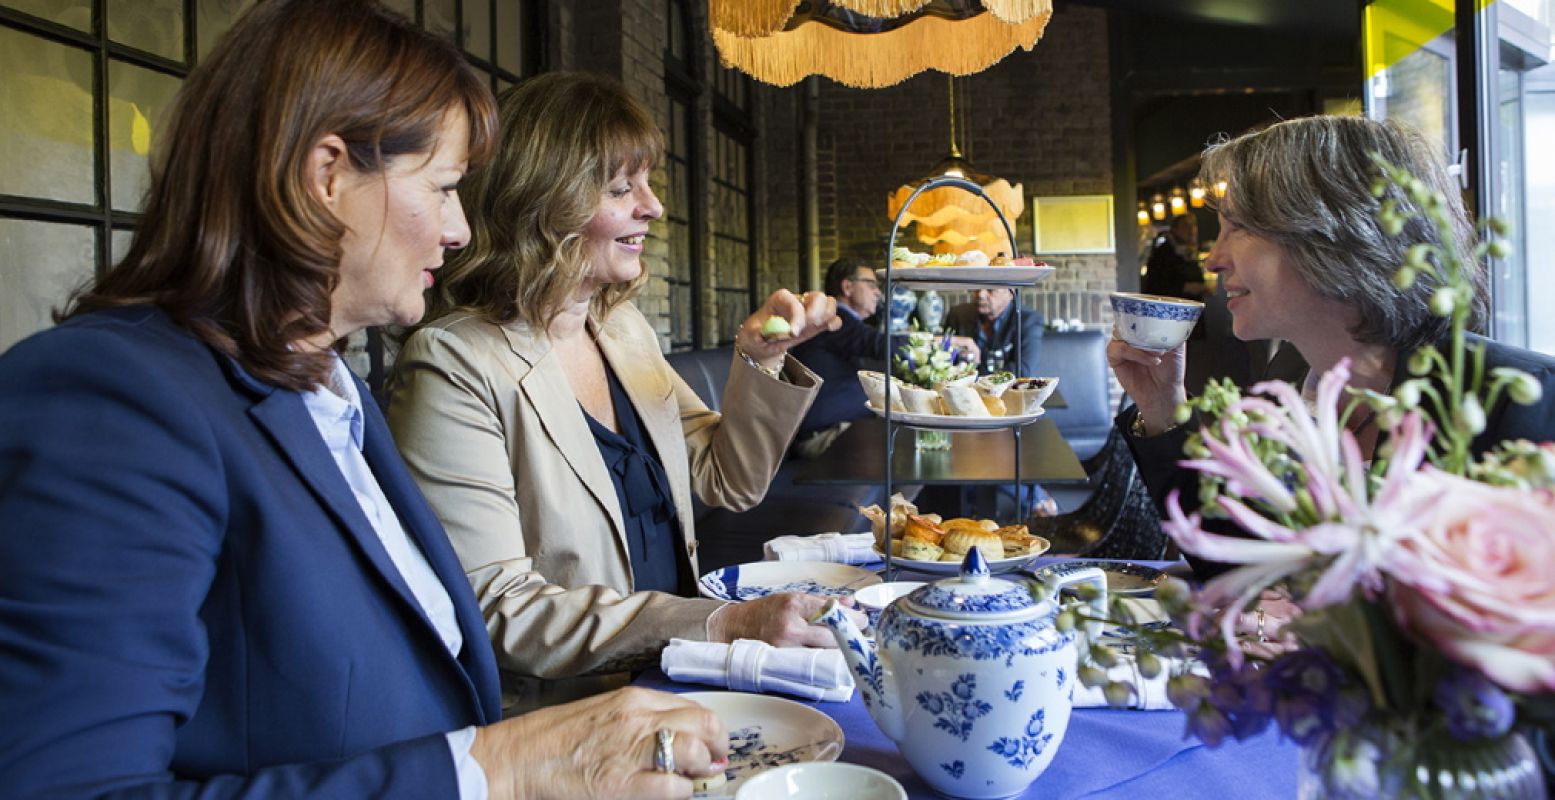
1478, 577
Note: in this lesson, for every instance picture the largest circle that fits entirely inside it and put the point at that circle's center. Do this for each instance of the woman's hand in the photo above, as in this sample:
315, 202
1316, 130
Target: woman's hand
1264, 626
1153, 380
599, 747
806, 316
781, 620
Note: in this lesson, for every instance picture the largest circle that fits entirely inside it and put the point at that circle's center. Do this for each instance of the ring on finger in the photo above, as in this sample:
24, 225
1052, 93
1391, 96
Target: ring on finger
664, 751
1261, 636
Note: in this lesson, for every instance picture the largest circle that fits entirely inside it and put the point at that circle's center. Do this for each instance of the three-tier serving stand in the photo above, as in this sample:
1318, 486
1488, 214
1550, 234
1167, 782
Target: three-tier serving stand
939, 280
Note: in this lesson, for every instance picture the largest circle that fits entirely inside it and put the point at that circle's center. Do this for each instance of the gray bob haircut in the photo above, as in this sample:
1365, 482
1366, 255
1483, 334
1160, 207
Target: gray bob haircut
1305, 185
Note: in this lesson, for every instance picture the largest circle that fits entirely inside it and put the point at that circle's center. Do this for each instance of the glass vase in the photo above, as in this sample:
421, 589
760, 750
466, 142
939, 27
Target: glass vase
931, 440
1403, 758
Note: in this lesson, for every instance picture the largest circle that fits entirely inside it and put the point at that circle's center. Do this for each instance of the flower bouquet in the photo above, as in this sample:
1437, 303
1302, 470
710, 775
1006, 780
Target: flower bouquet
1424, 579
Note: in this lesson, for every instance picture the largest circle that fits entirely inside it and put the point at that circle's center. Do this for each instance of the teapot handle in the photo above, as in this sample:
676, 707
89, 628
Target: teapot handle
1095, 577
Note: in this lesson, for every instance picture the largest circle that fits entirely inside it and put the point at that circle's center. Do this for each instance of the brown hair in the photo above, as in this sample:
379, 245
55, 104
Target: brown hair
233, 245
1305, 185
565, 135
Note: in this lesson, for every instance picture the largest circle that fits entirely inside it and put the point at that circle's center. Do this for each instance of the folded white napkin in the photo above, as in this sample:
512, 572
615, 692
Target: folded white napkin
851, 548
1150, 692
749, 665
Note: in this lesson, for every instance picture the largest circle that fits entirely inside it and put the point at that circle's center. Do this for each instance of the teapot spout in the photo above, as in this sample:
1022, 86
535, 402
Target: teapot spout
871, 674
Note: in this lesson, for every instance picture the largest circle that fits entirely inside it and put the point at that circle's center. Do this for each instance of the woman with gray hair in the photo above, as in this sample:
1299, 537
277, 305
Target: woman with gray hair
1303, 257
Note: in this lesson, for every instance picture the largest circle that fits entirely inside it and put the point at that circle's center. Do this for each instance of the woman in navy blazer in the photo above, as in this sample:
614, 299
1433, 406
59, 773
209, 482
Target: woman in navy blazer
216, 575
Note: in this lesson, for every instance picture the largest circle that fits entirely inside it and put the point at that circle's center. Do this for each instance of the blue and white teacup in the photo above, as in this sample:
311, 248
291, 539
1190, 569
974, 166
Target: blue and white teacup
1153, 322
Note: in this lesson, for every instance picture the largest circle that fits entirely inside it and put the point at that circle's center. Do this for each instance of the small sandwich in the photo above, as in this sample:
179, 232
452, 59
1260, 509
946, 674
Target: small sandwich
1027, 395
963, 401
972, 258
995, 383
919, 400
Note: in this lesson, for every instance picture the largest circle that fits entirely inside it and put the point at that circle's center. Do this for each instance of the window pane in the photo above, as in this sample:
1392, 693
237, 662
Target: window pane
437, 16
677, 36
156, 26
137, 101
213, 18
510, 36
41, 263
45, 119
74, 13
119, 245
477, 28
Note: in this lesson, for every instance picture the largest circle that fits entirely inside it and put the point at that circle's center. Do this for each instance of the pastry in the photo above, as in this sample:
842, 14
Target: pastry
1018, 541
962, 540
776, 327
922, 529
963, 401
920, 550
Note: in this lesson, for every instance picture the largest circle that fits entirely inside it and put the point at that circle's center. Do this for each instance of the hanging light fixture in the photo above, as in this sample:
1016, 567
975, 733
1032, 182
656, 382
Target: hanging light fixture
953, 220
1144, 214
1179, 201
868, 44
1158, 207
1196, 192
1220, 189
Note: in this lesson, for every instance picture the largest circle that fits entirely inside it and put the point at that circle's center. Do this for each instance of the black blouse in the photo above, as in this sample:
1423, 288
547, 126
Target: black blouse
643, 490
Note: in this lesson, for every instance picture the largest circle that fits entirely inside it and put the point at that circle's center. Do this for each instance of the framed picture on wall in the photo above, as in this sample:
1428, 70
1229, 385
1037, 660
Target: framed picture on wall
1073, 224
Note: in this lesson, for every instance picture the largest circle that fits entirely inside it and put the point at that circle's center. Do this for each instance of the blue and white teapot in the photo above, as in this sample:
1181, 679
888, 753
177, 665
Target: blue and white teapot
970, 677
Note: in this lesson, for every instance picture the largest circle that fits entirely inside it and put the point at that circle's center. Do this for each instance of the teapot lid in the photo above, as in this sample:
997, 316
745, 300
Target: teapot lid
975, 593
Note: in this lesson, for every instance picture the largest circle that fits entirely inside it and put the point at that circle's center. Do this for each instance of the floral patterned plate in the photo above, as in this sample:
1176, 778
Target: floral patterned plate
1123, 577
761, 578
767, 732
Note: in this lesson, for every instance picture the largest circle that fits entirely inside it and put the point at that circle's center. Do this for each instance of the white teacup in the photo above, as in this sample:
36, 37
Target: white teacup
1153, 322
874, 598
821, 780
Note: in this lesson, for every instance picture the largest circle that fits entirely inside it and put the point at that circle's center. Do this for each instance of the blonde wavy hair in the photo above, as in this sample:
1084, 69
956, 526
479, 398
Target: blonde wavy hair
565, 135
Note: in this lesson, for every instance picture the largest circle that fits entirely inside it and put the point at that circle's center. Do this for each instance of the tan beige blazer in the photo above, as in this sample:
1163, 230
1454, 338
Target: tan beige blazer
491, 431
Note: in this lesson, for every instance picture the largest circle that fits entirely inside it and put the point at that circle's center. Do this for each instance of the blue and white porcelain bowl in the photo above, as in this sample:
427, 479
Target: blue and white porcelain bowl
1153, 322
761, 578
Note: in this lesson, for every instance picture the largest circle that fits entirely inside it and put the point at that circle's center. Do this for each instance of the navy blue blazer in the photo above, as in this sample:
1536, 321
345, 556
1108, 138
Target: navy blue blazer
191, 600
836, 357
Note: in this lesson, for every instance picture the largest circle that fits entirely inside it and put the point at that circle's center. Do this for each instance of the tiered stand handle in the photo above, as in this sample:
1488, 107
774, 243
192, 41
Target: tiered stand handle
890, 430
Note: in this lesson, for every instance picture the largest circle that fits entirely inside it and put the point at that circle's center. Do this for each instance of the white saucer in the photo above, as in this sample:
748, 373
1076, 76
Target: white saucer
761, 578
767, 732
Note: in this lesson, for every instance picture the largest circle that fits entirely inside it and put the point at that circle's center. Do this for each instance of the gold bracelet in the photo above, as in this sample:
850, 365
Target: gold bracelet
1137, 427
772, 372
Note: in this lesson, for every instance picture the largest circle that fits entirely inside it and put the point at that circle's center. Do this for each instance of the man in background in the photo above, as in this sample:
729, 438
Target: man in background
837, 356
1173, 269
989, 322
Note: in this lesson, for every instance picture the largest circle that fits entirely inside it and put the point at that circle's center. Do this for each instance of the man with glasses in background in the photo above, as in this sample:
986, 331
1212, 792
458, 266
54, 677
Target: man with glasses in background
837, 356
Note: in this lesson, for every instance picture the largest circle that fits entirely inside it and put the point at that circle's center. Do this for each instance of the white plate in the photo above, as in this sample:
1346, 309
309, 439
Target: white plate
1123, 577
767, 732
945, 422
995, 567
761, 578
964, 277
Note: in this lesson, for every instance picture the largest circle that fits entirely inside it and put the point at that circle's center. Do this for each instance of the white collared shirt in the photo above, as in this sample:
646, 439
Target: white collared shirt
337, 413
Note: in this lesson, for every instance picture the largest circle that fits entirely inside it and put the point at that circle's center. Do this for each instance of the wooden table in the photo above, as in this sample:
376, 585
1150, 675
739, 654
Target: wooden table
974, 457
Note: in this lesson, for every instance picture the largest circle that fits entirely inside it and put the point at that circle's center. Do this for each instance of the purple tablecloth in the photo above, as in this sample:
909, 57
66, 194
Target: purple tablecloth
1140, 755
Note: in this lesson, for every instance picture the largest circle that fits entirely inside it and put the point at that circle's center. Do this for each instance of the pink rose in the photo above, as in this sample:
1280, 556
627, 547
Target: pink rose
1477, 578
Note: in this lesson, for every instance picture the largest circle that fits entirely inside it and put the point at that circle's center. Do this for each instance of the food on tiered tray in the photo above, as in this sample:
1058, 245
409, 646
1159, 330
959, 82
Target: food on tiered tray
1027, 395
874, 384
995, 406
972, 258
995, 383
959, 542
775, 327
900, 508
902, 258
1018, 541
941, 260
962, 401
919, 400
1000, 260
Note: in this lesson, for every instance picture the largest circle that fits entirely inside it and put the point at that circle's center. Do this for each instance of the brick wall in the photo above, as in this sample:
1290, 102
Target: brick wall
1039, 118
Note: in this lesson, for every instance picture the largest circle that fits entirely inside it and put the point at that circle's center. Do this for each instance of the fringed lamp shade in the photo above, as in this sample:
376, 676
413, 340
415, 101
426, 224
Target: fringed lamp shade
953, 220
868, 44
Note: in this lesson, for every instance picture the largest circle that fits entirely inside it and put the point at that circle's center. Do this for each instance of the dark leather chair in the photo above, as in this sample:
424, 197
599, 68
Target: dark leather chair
1079, 360
735, 537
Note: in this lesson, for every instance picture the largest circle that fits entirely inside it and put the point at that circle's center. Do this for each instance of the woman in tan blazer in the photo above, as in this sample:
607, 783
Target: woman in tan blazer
551, 437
